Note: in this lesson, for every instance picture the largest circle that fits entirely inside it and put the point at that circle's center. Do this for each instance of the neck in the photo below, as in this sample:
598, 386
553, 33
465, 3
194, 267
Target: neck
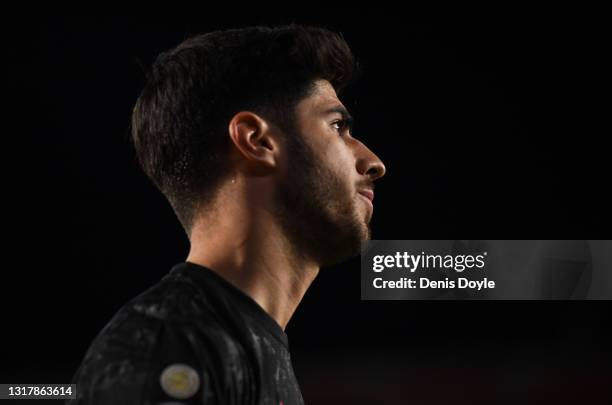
249, 250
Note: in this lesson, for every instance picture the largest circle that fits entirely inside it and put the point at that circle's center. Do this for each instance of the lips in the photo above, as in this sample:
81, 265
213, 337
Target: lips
369, 194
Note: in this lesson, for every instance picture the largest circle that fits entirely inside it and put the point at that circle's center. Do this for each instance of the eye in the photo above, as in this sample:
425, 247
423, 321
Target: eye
340, 126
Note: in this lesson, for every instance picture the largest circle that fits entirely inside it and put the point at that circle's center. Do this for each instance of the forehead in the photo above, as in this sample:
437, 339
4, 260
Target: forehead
322, 97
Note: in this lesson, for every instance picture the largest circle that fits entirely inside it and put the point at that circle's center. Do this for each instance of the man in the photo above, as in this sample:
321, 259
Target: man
244, 133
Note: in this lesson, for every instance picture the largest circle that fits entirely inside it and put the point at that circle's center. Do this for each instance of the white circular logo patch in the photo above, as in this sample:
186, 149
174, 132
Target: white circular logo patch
179, 381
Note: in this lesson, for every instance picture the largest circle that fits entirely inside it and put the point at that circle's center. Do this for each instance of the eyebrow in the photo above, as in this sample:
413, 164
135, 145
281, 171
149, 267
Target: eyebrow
346, 116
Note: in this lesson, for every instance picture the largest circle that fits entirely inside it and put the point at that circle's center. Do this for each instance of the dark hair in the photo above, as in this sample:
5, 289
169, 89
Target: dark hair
180, 121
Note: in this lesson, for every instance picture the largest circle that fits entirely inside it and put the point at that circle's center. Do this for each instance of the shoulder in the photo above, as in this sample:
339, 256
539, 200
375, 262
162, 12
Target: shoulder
164, 345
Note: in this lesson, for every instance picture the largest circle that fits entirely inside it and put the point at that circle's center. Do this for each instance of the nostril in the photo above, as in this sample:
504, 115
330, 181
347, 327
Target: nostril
376, 171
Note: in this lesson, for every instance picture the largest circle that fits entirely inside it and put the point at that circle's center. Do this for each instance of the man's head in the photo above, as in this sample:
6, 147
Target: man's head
193, 124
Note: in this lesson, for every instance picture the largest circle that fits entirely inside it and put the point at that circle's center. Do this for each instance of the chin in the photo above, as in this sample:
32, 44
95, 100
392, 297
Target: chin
345, 245
368, 233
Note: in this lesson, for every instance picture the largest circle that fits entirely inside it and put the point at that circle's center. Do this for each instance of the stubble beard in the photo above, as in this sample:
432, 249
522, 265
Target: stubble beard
318, 211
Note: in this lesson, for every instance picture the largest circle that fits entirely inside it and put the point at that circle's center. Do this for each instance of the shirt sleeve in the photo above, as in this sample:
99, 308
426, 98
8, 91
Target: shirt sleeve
140, 360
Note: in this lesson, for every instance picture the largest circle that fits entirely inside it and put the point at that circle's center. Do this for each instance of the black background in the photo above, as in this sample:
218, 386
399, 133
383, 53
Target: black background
488, 131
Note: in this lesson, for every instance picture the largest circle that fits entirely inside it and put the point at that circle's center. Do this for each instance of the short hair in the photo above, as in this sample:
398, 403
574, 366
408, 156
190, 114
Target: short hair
180, 120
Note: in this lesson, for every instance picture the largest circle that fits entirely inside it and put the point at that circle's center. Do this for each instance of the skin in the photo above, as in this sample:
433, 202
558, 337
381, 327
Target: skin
285, 213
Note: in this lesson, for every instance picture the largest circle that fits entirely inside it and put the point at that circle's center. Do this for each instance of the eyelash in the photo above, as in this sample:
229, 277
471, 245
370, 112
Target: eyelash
343, 125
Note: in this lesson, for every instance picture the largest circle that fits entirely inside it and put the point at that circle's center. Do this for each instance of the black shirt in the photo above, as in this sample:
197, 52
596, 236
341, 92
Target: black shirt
193, 338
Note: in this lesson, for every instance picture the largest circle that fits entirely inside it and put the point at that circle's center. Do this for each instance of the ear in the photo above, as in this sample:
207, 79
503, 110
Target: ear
254, 139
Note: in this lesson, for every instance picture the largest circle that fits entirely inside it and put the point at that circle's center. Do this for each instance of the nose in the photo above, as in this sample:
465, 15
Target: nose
368, 164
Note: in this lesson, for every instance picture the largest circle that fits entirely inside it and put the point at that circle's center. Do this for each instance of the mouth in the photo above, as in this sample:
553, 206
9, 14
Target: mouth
369, 194
368, 197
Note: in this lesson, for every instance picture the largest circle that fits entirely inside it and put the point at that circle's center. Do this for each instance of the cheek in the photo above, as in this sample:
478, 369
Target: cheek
334, 157
341, 168
340, 158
